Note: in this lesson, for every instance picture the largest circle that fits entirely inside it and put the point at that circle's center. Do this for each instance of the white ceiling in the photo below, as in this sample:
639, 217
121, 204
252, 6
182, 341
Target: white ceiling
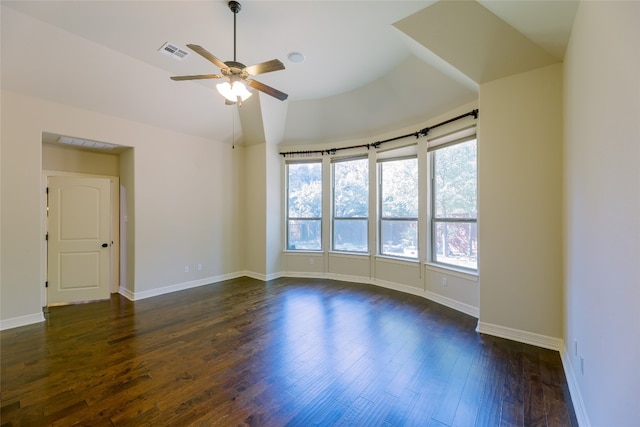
371, 66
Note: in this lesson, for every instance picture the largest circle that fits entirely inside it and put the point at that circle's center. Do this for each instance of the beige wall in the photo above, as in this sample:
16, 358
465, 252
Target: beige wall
274, 209
602, 211
182, 211
255, 199
264, 211
69, 159
127, 220
21, 216
520, 202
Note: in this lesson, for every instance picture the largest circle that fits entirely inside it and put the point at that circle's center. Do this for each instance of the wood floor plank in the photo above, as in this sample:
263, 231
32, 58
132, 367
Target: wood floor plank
493, 359
469, 403
452, 395
399, 414
284, 352
534, 410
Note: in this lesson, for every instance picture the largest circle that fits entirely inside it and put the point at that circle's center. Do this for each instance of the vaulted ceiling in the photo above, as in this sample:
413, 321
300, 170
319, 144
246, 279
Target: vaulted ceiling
370, 66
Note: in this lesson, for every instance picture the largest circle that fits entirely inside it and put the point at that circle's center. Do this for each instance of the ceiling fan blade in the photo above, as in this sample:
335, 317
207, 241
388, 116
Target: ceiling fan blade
265, 67
205, 54
197, 77
267, 89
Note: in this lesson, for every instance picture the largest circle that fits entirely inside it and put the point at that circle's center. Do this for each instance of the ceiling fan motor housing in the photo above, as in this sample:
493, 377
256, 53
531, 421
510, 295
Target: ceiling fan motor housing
235, 69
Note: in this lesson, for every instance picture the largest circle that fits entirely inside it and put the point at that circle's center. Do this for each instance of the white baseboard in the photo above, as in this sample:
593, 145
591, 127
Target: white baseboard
304, 275
260, 276
16, 322
126, 293
521, 336
347, 278
451, 303
256, 276
574, 390
135, 296
397, 287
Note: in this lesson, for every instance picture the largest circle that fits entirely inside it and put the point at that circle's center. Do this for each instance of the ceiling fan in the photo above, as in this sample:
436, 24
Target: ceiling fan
234, 90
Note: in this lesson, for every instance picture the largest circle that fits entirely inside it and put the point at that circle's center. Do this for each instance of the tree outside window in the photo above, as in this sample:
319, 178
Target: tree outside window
399, 208
454, 205
304, 206
351, 205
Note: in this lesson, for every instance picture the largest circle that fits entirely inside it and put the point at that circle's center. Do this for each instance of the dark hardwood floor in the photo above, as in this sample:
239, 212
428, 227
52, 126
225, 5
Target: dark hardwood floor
297, 352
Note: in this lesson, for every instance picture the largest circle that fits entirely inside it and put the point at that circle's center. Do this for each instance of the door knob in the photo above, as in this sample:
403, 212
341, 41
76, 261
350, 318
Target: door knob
105, 245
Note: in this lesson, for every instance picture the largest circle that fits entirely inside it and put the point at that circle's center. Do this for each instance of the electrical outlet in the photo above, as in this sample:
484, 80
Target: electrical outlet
312, 261
186, 268
443, 281
199, 267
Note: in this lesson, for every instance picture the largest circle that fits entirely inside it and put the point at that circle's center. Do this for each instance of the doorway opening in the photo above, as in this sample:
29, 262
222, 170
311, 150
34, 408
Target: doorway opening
82, 254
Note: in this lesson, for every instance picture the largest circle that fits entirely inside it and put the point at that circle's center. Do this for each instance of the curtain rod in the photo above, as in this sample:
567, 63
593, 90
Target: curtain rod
418, 134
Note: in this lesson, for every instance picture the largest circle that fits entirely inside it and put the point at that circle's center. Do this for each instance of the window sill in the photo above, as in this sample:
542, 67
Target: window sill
350, 254
397, 260
463, 274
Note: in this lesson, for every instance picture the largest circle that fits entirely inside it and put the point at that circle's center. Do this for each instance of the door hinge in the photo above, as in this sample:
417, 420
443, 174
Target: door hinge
46, 236
46, 284
47, 190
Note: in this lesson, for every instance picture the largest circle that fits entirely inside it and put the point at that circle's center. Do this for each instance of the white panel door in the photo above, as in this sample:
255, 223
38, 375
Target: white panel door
79, 227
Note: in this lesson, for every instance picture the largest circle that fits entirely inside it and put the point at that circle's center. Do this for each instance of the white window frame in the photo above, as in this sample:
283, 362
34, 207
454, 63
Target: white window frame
289, 219
381, 218
434, 145
333, 206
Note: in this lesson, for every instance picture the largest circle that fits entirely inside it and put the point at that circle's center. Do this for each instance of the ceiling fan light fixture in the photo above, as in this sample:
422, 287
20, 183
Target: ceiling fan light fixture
233, 90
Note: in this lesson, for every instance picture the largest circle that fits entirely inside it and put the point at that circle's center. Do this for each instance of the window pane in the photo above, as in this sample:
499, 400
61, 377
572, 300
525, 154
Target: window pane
399, 238
350, 235
455, 181
305, 190
304, 234
351, 189
456, 243
399, 193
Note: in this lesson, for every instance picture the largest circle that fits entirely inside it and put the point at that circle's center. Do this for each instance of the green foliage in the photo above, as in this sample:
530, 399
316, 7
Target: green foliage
305, 190
455, 186
400, 188
351, 189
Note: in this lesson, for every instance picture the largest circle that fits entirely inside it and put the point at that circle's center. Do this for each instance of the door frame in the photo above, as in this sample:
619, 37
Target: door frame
114, 271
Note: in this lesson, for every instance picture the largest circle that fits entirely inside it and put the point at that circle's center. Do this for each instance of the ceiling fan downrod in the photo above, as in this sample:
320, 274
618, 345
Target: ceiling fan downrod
235, 8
